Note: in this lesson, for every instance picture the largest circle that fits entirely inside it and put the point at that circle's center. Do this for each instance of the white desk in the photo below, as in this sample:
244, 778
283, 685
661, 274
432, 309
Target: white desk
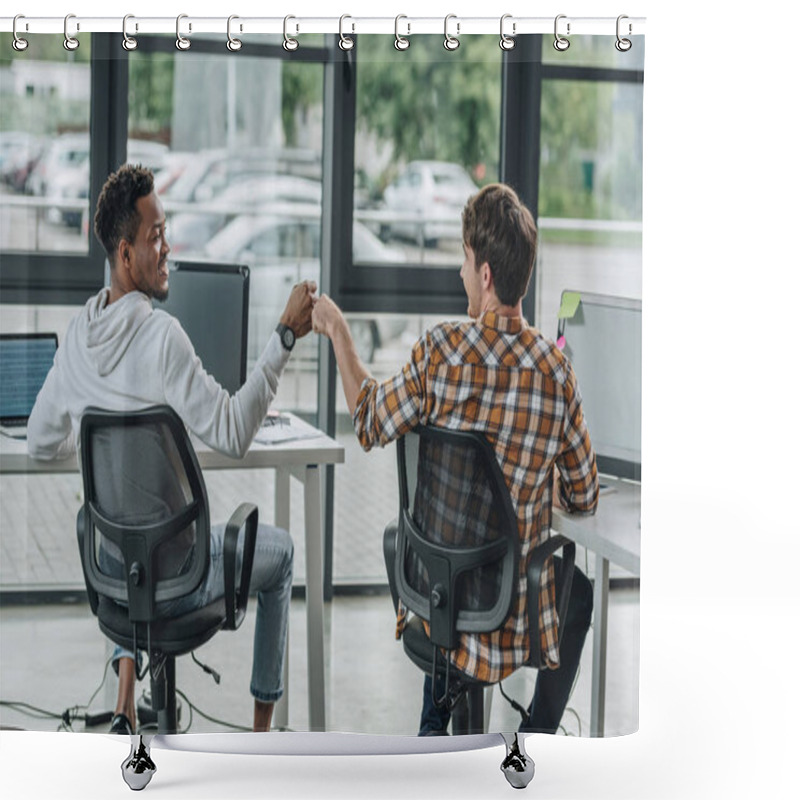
613, 534
298, 458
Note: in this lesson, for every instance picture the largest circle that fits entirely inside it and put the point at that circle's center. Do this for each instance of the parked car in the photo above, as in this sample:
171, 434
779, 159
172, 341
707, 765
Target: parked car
189, 231
203, 175
63, 172
282, 247
60, 163
19, 152
428, 197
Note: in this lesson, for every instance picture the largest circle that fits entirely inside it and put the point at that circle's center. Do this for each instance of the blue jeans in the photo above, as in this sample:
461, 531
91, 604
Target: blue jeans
272, 579
553, 686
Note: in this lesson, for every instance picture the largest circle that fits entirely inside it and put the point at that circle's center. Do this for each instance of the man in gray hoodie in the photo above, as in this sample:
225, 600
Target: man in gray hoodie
121, 354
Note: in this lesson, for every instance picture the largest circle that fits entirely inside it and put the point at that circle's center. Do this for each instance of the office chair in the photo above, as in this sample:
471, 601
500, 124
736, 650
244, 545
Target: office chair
453, 558
144, 535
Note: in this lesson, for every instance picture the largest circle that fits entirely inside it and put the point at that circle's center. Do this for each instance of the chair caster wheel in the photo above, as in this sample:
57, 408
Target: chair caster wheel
517, 766
138, 768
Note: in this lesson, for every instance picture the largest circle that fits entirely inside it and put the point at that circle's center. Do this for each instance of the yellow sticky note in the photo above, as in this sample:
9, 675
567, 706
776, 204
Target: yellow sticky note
569, 305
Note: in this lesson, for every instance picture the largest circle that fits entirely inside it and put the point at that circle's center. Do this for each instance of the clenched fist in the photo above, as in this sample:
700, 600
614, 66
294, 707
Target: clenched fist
326, 316
297, 314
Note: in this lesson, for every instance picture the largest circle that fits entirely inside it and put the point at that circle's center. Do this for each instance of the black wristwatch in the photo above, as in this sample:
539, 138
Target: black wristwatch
287, 335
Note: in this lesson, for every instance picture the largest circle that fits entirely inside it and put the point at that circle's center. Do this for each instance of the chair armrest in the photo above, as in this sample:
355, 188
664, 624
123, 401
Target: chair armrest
236, 597
536, 566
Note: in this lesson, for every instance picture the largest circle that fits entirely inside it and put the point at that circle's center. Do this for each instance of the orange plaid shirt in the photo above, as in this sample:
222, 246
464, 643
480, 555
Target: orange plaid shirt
501, 377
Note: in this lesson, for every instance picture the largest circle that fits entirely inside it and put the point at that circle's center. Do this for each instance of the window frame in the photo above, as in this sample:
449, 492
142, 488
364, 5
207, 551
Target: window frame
57, 278
405, 288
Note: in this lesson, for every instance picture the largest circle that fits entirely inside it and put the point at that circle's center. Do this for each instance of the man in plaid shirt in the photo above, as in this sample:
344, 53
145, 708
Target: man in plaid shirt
497, 375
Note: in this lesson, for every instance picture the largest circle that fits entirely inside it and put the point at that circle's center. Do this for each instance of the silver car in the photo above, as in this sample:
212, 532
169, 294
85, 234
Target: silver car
282, 248
426, 200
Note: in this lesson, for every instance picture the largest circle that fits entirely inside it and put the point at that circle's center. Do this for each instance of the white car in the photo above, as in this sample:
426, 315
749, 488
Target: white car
64, 157
426, 200
63, 172
190, 231
282, 248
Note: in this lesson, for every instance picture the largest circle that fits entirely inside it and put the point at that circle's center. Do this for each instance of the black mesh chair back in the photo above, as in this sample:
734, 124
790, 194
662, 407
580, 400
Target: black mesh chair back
458, 540
143, 485
144, 537
453, 557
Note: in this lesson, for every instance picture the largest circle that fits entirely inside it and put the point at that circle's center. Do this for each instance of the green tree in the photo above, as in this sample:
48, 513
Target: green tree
430, 103
301, 86
150, 89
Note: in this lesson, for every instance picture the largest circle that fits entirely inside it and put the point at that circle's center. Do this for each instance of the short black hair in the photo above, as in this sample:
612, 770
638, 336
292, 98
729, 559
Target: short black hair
116, 217
500, 230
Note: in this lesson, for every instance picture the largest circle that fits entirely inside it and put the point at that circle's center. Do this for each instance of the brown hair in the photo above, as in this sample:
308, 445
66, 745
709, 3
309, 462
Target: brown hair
116, 217
500, 230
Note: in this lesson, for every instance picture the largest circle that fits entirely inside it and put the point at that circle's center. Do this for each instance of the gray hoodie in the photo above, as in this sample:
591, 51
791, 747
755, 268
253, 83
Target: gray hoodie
126, 356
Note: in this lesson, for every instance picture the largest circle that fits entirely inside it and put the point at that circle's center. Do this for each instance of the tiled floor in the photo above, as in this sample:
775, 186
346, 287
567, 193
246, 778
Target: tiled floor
52, 657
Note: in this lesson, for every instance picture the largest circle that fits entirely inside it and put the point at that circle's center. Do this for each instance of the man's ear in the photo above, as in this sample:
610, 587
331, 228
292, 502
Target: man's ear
487, 279
124, 253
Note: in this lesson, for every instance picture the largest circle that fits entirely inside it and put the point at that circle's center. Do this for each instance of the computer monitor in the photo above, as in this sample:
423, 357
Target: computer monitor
604, 344
211, 302
25, 360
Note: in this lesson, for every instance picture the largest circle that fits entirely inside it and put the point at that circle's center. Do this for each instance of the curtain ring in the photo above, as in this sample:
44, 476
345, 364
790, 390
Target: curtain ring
560, 43
400, 42
451, 42
70, 42
345, 42
181, 42
18, 43
128, 42
623, 45
233, 44
289, 43
506, 42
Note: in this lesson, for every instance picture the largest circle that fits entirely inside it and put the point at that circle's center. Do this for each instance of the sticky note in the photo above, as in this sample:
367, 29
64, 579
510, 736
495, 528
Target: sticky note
569, 305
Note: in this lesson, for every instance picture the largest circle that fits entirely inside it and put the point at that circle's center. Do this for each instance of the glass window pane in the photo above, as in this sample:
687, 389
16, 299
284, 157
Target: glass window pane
427, 137
36, 319
368, 481
590, 196
240, 178
595, 51
44, 145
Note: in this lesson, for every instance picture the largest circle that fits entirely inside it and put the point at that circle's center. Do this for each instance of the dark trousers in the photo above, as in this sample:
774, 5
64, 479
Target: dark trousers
553, 686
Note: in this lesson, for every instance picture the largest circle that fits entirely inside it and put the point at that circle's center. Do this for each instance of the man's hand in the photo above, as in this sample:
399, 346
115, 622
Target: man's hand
328, 320
326, 316
297, 314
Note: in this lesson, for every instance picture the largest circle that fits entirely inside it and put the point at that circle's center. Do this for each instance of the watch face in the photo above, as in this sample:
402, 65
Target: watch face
288, 338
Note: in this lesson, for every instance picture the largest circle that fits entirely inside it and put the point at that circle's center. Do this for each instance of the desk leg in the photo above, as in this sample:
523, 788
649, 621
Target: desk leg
314, 603
280, 717
597, 724
488, 693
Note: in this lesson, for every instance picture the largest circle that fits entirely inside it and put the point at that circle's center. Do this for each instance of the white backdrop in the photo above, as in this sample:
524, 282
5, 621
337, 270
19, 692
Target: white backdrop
719, 602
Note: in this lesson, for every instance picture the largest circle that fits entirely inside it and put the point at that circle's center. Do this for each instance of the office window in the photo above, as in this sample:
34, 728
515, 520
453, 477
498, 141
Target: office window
590, 193
427, 137
44, 146
595, 51
239, 176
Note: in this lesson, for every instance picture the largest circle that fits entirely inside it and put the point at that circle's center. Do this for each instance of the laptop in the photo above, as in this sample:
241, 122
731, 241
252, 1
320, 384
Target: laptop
25, 360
